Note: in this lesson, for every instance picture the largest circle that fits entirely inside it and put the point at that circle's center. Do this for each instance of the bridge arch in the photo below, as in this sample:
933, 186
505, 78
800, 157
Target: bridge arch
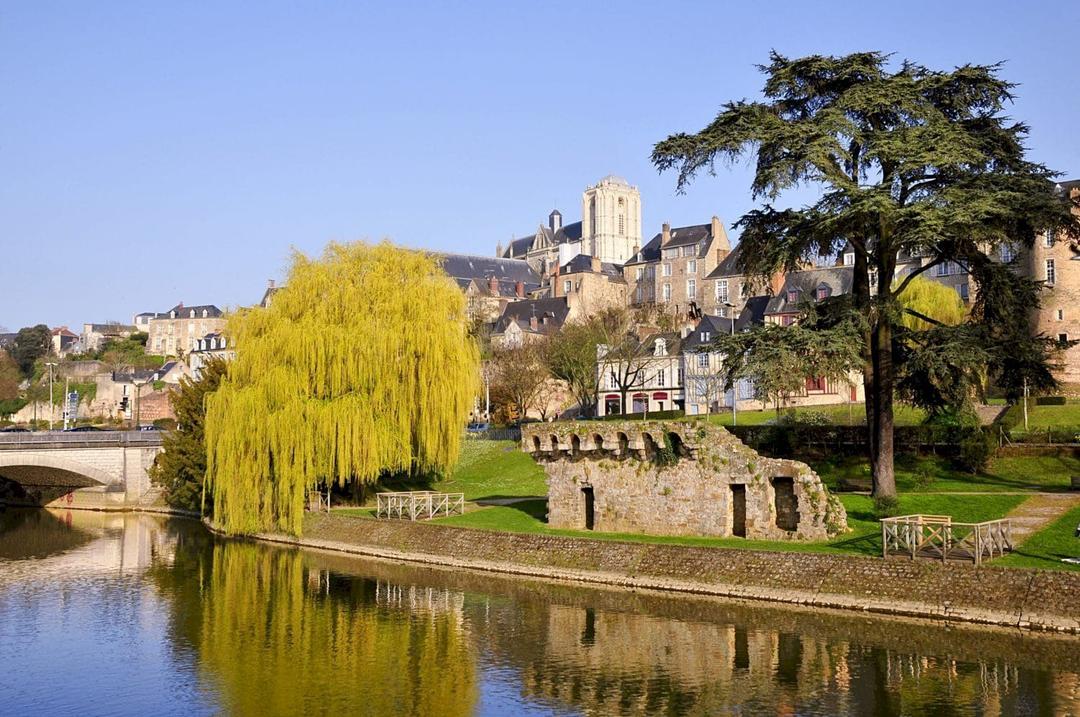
21, 468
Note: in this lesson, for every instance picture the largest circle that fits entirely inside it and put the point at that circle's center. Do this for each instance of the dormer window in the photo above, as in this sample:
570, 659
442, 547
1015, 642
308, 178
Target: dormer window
792, 296
822, 292
849, 258
172, 314
660, 347
704, 336
191, 314
205, 313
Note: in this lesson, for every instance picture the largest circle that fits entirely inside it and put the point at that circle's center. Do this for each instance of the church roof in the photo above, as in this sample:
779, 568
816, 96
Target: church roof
518, 248
465, 267
582, 263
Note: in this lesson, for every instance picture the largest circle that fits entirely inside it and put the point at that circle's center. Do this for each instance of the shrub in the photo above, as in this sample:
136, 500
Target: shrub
923, 479
1050, 401
976, 450
886, 506
165, 424
653, 416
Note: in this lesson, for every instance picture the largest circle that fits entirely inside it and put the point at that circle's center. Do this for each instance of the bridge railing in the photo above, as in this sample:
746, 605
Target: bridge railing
79, 439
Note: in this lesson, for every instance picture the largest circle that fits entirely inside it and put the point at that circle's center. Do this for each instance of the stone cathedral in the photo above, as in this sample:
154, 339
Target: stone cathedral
610, 229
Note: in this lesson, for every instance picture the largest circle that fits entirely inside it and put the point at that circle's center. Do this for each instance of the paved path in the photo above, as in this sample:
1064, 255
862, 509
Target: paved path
1039, 510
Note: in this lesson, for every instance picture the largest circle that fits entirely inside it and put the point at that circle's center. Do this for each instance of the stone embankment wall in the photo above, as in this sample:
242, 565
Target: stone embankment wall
677, 478
1027, 599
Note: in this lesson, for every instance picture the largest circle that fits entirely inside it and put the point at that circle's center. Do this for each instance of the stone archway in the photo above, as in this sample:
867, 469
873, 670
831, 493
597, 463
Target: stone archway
42, 479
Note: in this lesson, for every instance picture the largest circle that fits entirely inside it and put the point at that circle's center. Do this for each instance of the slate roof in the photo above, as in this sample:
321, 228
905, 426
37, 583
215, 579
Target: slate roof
753, 313
7, 339
183, 312
837, 279
729, 266
115, 329
680, 236
714, 325
550, 314
465, 267
582, 263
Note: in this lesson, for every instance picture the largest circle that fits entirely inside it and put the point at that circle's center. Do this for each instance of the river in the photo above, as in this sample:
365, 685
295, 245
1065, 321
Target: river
127, 614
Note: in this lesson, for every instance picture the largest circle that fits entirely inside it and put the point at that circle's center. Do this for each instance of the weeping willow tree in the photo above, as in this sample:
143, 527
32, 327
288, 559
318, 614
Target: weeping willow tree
361, 366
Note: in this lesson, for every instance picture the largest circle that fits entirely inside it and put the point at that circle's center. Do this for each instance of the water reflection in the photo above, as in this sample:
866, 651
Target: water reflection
251, 629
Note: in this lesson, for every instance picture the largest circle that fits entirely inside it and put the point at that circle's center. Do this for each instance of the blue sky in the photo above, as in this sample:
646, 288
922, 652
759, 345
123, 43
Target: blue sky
153, 153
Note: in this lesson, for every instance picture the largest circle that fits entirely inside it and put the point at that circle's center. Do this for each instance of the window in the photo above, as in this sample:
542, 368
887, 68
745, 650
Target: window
691, 266
1063, 339
873, 278
745, 290
639, 294
963, 291
613, 380
815, 385
722, 312
566, 286
1049, 238
689, 250
722, 291
1007, 253
622, 217
849, 259
1051, 274
822, 292
703, 360
787, 320
667, 269
792, 296
671, 253
639, 273
691, 288
705, 336
678, 376
660, 378
667, 292
1061, 314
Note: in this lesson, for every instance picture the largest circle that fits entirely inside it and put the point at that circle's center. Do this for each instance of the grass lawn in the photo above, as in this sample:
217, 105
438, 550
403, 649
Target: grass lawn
1053, 416
864, 538
841, 414
933, 474
1045, 548
493, 469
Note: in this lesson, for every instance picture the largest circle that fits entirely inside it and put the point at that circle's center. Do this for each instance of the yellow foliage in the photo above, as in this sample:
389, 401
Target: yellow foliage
361, 365
932, 299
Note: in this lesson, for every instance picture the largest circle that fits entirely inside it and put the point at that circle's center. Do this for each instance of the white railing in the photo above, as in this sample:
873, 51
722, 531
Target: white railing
418, 505
940, 538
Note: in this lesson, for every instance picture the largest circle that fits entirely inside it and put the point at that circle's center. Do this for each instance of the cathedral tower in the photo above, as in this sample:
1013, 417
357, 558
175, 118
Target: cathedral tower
611, 220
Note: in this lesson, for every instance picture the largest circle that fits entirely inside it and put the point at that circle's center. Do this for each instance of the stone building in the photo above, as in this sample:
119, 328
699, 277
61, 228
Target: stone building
177, 331
667, 478
1056, 262
490, 283
64, 341
529, 320
589, 286
213, 345
671, 269
94, 336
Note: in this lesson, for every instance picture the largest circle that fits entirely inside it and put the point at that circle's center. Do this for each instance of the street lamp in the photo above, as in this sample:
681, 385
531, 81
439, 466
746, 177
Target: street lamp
51, 364
138, 394
734, 386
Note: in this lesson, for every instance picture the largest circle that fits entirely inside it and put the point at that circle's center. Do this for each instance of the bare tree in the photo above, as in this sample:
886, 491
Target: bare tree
519, 376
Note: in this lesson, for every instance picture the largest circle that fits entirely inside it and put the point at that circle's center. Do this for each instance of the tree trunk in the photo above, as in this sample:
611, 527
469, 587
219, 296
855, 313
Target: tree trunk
879, 410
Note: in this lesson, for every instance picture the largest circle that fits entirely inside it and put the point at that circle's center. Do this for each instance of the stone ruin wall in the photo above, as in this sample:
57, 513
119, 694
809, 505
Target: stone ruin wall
677, 478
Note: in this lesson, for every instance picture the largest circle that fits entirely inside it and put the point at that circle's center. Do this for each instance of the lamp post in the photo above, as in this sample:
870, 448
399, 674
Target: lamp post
138, 394
52, 409
734, 386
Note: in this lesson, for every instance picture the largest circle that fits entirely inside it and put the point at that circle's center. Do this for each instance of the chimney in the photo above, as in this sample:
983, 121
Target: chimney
555, 220
776, 283
270, 283
519, 289
534, 325
493, 284
596, 265
719, 235
665, 234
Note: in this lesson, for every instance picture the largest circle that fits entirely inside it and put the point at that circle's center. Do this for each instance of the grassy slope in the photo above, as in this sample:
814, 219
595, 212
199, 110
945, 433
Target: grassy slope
1045, 548
931, 474
839, 414
864, 538
1044, 416
492, 469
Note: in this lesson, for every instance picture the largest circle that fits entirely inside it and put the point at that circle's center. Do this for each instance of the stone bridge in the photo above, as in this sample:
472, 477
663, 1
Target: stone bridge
101, 469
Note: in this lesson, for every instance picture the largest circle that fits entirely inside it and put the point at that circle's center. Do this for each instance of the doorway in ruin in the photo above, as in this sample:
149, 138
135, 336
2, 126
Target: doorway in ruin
787, 506
590, 500
738, 511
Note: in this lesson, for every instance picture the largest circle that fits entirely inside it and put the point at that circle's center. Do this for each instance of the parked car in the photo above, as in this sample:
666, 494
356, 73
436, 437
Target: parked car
149, 428
14, 429
81, 429
477, 427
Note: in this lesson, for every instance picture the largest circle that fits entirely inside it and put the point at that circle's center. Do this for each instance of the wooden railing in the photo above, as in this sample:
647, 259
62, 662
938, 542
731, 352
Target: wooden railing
941, 538
419, 504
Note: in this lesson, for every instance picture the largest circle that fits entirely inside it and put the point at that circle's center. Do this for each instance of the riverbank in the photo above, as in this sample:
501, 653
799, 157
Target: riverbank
1030, 600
